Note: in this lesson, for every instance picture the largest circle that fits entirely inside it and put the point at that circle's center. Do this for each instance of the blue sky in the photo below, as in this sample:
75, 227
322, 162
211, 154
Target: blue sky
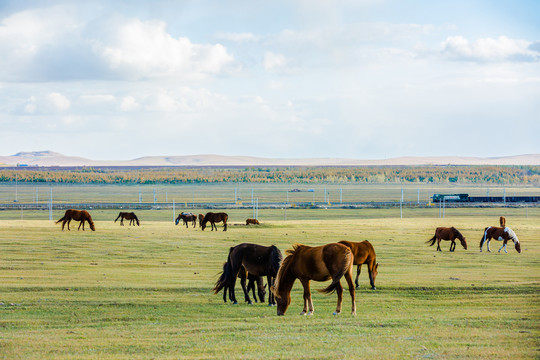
366, 79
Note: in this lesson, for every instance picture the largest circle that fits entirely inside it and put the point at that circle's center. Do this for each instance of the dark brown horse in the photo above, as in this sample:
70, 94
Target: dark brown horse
215, 218
130, 216
500, 234
364, 254
258, 260
321, 263
252, 221
252, 281
201, 217
445, 233
186, 218
77, 215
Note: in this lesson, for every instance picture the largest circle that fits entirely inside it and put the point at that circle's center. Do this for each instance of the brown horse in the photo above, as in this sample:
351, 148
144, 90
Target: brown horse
201, 217
252, 221
502, 221
130, 216
364, 254
258, 260
451, 234
77, 215
500, 234
215, 218
252, 280
186, 218
321, 263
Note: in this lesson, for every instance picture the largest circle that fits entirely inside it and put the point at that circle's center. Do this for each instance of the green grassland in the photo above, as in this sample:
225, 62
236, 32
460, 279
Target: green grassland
145, 292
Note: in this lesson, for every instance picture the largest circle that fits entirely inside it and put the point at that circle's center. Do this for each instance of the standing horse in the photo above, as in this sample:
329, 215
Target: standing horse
252, 280
77, 215
201, 217
215, 218
500, 234
502, 221
321, 263
258, 260
364, 254
130, 216
451, 234
252, 221
186, 218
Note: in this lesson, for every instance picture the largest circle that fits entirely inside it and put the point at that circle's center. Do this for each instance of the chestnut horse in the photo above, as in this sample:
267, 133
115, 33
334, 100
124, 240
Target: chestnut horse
187, 218
364, 254
252, 280
500, 234
215, 218
201, 217
252, 221
130, 216
77, 215
321, 263
451, 234
502, 221
258, 260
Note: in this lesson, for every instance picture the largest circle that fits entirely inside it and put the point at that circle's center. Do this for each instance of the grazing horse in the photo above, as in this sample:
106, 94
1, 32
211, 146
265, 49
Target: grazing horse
321, 263
201, 217
187, 218
444, 233
364, 254
502, 221
130, 216
77, 215
252, 221
500, 234
252, 280
256, 259
215, 218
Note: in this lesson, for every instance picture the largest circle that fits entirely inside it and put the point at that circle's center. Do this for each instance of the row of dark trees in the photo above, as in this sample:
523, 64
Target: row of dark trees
525, 175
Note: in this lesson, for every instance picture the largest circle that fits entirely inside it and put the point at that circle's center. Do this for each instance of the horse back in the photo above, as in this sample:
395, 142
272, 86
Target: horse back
363, 252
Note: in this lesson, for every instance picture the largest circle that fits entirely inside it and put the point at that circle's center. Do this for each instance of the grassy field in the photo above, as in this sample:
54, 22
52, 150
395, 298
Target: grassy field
140, 293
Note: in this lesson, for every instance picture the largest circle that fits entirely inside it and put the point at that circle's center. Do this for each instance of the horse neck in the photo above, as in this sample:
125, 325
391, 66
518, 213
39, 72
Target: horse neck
285, 277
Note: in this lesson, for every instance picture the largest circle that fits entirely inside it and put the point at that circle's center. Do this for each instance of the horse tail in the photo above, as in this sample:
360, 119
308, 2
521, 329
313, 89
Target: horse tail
276, 259
483, 237
62, 219
226, 275
118, 217
345, 266
432, 241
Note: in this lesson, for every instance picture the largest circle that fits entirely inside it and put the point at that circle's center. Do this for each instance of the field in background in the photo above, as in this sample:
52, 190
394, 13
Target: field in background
128, 293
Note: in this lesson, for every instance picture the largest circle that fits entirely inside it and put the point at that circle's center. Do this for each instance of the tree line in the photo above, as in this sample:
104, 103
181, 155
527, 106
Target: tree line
524, 175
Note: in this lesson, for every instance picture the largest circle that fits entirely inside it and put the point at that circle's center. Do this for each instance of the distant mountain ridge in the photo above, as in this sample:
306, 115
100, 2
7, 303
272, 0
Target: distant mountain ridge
50, 158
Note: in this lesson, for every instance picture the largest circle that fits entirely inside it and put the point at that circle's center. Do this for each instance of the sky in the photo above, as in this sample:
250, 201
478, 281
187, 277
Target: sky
364, 79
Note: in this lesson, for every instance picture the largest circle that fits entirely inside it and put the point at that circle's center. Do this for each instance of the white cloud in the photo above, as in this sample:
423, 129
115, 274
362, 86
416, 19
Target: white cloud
58, 101
238, 37
489, 50
129, 103
143, 49
274, 62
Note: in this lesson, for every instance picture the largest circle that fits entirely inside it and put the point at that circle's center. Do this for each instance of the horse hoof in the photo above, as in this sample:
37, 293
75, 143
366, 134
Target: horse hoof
310, 313
235, 303
303, 313
373, 288
335, 313
250, 303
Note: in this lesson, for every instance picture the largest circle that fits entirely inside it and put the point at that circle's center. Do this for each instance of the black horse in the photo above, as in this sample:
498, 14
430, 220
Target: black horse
258, 260
130, 216
187, 218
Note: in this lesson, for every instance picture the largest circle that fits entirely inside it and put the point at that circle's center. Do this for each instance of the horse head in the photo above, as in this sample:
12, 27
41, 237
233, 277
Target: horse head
463, 243
92, 226
518, 246
177, 220
262, 292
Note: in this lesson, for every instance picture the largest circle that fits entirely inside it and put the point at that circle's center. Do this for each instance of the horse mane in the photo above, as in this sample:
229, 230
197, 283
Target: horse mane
295, 246
282, 269
458, 234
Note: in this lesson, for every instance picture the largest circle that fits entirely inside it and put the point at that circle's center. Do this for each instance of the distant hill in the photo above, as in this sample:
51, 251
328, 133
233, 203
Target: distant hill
50, 158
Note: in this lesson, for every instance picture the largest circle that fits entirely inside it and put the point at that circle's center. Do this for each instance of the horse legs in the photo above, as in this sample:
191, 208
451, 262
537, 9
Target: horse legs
81, 223
224, 226
243, 277
439, 244
271, 297
122, 221
352, 292
63, 223
487, 244
69, 220
339, 292
453, 246
308, 303
504, 246
370, 272
358, 269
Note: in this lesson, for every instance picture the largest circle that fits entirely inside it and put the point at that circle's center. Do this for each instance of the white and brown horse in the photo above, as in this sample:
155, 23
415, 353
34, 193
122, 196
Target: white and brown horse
500, 234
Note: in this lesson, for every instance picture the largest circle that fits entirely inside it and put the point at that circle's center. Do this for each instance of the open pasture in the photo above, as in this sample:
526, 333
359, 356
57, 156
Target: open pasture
145, 292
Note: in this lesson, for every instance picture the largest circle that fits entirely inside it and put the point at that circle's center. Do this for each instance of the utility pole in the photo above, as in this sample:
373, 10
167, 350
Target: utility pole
401, 205
173, 210
50, 206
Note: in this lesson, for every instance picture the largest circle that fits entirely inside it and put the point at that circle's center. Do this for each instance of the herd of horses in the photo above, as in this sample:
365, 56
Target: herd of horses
502, 233
253, 262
